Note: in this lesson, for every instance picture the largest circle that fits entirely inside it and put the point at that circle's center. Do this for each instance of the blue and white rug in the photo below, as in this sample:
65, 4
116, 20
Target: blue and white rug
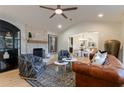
53, 78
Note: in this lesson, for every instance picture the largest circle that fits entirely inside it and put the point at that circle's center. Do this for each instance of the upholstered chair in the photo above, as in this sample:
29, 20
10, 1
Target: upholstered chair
63, 54
31, 66
112, 47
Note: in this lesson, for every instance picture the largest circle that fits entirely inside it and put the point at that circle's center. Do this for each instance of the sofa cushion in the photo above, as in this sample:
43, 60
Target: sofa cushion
113, 62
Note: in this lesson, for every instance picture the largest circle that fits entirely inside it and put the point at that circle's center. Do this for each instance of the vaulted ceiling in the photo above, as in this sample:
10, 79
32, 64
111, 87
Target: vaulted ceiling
33, 15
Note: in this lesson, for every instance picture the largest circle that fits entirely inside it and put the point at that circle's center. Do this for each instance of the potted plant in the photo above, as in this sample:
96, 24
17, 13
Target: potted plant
29, 35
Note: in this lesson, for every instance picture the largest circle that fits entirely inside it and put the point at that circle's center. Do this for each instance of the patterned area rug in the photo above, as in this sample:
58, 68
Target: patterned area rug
53, 78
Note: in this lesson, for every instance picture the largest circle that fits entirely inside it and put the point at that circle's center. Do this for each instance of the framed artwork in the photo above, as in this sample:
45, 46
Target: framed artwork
70, 46
52, 43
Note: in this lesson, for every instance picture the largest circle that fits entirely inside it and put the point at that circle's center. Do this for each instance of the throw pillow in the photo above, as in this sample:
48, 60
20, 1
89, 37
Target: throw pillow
100, 58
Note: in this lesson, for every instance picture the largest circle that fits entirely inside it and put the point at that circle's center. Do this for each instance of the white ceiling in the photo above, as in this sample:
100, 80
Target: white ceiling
33, 15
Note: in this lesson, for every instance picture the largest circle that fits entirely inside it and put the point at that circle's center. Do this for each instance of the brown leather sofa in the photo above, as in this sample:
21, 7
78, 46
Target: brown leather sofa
111, 74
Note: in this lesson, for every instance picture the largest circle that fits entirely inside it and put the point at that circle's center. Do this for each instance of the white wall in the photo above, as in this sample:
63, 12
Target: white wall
123, 41
38, 33
106, 31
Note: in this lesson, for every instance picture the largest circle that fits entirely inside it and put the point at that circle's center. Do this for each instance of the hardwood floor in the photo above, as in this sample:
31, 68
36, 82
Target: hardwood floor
12, 79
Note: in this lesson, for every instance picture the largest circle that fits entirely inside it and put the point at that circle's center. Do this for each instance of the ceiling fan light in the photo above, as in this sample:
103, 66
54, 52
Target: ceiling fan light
100, 15
58, 11
59, 26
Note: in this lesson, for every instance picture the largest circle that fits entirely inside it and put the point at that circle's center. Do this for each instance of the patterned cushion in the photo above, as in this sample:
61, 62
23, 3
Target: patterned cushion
100, 58
63, 54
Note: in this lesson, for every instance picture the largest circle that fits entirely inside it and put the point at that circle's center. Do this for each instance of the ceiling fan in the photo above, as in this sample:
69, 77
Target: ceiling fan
59, 10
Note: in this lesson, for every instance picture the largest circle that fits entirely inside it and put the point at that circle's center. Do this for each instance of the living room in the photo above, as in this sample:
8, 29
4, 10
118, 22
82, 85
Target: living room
79, 30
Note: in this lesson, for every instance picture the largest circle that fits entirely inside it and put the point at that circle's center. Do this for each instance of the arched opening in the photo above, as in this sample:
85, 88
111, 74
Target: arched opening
10, 46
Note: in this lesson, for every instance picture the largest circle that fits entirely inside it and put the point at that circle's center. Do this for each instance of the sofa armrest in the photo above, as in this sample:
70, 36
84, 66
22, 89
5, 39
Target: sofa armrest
81, 68
110, 74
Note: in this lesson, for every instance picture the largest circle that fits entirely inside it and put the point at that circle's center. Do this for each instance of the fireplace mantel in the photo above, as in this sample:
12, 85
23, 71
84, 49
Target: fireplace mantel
37, 41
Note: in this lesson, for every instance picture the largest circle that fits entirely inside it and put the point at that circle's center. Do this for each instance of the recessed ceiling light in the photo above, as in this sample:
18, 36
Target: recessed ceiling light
100, 15
59, 26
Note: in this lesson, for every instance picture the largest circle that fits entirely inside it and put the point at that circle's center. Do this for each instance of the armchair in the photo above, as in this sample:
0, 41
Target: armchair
31, 66
63, 54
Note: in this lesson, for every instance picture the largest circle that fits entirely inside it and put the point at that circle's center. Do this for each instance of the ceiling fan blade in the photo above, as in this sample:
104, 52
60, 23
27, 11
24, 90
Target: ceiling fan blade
52, 15
68, 9
64, 15
58, 6
47, 7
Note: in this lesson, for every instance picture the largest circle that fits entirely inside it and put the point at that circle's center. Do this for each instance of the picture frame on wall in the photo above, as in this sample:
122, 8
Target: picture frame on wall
70, 46
52, 43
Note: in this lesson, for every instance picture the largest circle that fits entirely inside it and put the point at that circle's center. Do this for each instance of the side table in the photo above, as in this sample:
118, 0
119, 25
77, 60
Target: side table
61, 67
70, 61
